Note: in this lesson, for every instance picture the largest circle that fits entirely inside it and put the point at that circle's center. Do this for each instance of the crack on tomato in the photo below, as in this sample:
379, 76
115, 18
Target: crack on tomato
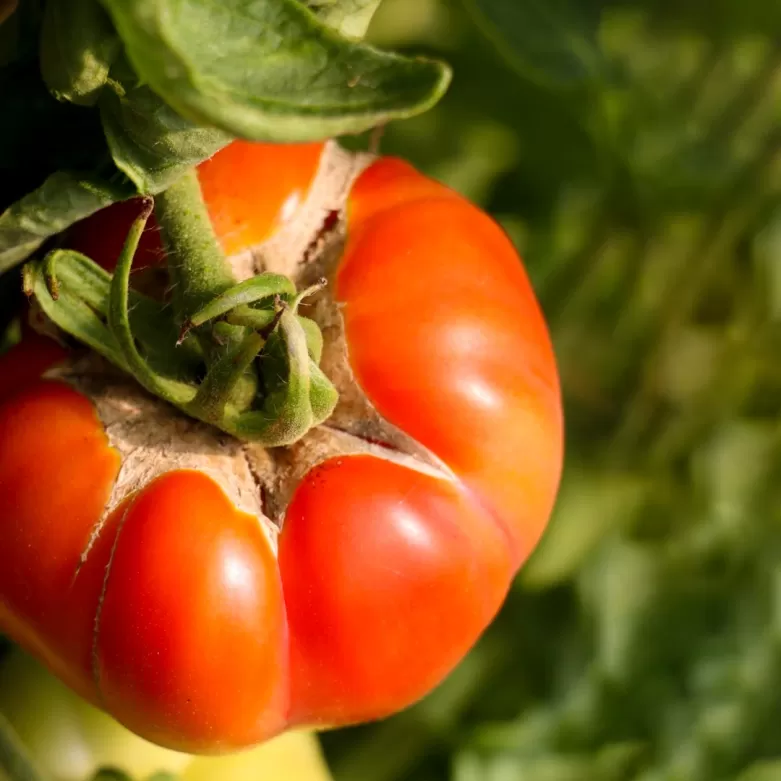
261, 485
317, 224
93, 538
327, 231
153, 438
94, 654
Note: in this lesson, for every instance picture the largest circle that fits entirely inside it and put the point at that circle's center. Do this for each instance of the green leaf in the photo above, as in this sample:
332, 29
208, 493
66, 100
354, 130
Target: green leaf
60, 201
150, 143
268, 69
551, 41
350, 17
78, 45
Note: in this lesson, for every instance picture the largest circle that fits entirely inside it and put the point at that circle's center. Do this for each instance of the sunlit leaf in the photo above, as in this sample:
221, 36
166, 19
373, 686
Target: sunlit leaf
268, 69
78, 45
349, 17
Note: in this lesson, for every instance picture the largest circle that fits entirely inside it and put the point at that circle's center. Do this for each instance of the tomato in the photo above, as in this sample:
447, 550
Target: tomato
403, 519
72, 740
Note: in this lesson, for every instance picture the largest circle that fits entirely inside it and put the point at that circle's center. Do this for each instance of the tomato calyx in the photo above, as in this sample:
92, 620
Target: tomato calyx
234, 355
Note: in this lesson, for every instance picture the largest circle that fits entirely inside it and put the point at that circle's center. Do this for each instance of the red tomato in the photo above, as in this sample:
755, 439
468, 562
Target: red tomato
181, 621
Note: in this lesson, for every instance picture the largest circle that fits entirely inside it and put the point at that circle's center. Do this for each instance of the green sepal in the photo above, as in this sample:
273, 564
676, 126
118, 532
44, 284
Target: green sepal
258, 319
245, 293
323, 396
138, 335
261, 319
73, 292
218, 388
176, 392
73, 315
314, 338
285, 372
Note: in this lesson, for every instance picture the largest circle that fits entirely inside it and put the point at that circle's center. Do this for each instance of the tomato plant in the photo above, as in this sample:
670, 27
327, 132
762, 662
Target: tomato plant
211, 593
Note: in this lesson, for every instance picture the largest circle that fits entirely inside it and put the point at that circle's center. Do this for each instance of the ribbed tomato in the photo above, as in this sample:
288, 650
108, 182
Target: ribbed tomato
166, 600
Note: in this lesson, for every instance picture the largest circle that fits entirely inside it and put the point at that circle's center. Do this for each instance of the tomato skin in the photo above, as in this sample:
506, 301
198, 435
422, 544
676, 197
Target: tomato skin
187, 594
389, 575
40, 606
69, 739
386, 573
252, 190
75, 740
191, 643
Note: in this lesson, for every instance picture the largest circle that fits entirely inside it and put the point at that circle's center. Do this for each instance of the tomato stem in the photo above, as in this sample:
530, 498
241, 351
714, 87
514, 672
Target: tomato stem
118, 318
199, 273
197, 266
15, 762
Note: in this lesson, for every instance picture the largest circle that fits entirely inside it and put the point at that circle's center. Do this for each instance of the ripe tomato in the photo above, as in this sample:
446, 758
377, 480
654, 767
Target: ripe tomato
403, 519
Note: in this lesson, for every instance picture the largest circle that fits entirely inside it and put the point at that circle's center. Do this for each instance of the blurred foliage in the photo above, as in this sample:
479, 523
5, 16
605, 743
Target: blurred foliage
638, 171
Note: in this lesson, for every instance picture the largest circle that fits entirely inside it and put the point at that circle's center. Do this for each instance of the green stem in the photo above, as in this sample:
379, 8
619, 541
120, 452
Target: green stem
198, 268
15, 762
119, 322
